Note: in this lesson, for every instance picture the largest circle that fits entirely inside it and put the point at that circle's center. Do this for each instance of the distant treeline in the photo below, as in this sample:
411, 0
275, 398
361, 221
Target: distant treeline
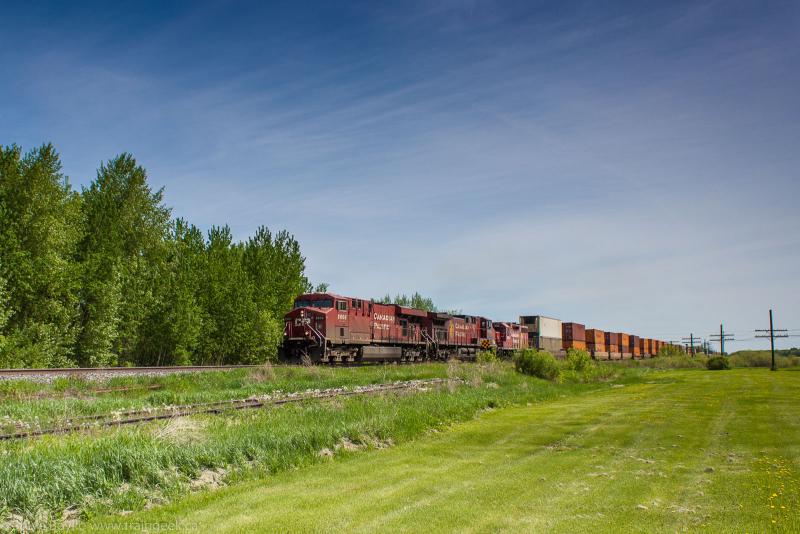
780, 352
415, 301
106, 276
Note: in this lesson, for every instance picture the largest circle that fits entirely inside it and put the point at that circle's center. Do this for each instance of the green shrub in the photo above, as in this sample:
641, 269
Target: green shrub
541, 364
578, 360
486, 356
718, 363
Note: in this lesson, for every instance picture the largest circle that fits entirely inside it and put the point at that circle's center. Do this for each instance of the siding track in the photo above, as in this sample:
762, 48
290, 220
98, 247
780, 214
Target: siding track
102, 373
170, 412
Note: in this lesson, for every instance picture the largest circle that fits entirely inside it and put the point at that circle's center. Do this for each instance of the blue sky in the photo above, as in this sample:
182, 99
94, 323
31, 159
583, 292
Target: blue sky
632, 166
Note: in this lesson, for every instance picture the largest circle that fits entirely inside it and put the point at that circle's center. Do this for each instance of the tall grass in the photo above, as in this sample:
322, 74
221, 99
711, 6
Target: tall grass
737, 359
29, 403
681, 361
672, 360
762, 358
126, 468
579, 367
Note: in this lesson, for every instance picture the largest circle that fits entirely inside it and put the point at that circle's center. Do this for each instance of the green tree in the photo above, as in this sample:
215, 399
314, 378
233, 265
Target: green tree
422, 303
229, 311
4, 314
124, 256
105, 277
259, 259
41, 226
101, 300
275, 270
289, 267
416, 301
322, 287
171, 332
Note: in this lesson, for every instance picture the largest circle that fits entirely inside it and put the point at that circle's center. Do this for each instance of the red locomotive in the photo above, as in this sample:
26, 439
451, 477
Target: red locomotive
325, 327
331, 328
510, 336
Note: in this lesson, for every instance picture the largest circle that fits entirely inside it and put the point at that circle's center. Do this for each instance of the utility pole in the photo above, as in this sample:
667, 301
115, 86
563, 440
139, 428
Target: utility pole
691, 343
772, 335
676, 344
722, 337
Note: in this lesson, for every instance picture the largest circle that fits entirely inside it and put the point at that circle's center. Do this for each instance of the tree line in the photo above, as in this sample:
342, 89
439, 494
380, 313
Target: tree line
416, 301
106, 276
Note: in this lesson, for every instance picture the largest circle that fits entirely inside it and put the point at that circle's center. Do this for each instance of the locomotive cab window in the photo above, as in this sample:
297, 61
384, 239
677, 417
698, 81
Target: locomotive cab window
341, 305
324, 303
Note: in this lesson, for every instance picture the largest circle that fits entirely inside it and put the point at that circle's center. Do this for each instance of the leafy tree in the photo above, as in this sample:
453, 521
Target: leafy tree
416, 301
124, 256
259, 259
289, 266
105, 277
229, 309
275, 269
422, 303
4, 314
41, 226
171, 332
100, 312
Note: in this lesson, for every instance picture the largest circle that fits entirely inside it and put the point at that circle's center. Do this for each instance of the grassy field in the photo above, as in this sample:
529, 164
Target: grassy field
680, 450
61, 479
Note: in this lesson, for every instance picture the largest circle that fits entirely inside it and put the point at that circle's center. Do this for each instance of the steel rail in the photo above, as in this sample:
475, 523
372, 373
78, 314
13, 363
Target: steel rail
24, 373
122, 370
142, 416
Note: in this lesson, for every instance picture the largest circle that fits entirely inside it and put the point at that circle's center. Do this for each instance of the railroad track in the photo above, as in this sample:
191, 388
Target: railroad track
132, 417
102, 373
98, 373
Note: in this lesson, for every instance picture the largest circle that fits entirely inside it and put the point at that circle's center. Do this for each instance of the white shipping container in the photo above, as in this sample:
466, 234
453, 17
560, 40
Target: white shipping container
542, 326
549, 327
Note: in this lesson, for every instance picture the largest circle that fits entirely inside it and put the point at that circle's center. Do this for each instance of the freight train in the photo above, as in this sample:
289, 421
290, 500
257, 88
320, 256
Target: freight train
330, 328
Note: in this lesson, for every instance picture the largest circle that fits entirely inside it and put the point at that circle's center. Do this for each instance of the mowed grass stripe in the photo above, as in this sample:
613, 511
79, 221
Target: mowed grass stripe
696, 454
